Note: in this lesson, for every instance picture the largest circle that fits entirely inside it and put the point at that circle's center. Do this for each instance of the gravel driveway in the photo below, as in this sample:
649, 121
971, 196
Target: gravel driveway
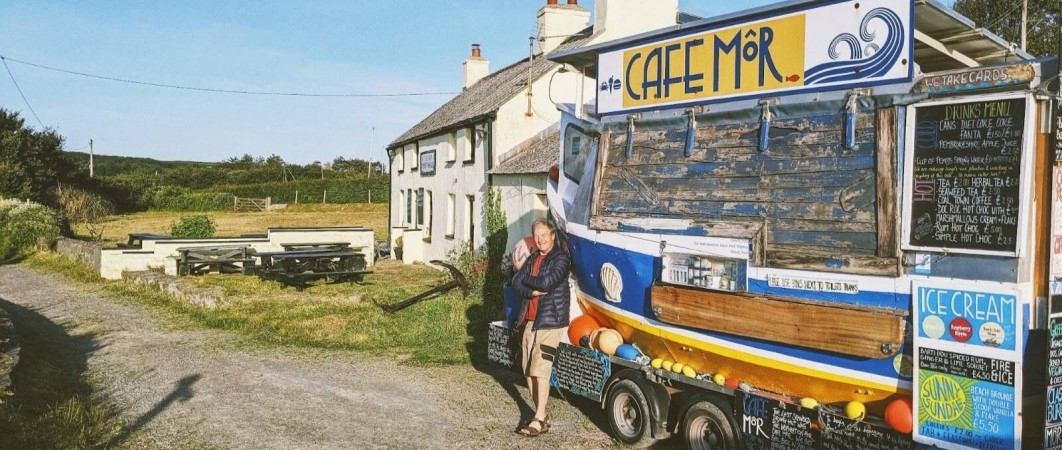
179, 387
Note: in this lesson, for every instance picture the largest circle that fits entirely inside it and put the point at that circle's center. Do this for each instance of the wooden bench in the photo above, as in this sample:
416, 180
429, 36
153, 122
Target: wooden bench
297, 268
219, 259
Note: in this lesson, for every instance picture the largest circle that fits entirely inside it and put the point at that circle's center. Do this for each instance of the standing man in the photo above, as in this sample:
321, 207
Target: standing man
543, 286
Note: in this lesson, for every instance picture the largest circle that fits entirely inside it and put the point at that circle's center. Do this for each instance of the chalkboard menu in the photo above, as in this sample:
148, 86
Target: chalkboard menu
966, 170
768, 424
842, 433
580, 370
498, 348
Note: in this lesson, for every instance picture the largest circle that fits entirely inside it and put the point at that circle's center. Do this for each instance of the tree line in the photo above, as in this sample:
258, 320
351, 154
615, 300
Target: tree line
33, 166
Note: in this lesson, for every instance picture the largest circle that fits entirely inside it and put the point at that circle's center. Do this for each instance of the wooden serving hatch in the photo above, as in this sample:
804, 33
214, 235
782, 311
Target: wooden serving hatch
852, 330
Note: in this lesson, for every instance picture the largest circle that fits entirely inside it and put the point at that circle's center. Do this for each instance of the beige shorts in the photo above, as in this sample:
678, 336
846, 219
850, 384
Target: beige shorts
537, 351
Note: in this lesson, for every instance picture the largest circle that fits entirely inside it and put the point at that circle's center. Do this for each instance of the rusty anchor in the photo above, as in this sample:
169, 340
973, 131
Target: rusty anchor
458, 281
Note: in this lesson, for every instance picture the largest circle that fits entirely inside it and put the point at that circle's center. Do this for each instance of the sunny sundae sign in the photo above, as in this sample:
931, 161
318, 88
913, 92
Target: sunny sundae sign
832, 46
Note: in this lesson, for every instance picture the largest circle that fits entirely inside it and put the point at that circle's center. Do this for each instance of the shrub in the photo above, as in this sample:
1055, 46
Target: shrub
24, 224
193, 227
86, 208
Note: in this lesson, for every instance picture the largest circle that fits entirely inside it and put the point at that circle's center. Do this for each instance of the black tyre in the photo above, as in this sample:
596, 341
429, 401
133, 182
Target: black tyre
627, 411
705, 426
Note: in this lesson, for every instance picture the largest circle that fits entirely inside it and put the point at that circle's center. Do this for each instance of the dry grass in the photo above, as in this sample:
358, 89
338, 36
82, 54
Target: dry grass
374, 216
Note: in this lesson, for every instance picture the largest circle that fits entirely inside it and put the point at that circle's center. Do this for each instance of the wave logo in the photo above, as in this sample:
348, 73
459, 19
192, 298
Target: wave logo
865, 58
944, 399
611, 84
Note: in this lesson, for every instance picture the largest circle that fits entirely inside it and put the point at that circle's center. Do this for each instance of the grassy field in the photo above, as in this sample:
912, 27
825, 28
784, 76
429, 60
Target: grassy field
369, 215
334, 316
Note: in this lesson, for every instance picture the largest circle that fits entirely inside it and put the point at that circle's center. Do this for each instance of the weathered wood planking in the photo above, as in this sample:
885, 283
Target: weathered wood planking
746, 229
847, 329
806, 188
888, 221
801, 257
619, 189
727, 210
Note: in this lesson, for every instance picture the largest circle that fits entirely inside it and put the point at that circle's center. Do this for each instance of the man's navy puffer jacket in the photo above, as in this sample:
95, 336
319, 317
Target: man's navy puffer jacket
554, 306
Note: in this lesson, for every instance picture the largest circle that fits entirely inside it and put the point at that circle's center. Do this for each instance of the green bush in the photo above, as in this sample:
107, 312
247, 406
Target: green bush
24, 224
193, 227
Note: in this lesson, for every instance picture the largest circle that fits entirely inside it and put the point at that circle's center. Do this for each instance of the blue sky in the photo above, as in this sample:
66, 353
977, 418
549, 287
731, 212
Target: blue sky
351, 47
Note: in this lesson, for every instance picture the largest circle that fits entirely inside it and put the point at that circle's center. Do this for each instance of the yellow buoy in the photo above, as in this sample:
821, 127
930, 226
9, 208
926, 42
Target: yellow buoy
809, 402
667, 365
677, 367
656, 363
855, 410
689, 372
719, 379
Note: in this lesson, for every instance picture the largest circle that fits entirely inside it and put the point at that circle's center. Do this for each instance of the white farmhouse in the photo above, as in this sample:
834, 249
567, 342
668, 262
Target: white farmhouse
500, 131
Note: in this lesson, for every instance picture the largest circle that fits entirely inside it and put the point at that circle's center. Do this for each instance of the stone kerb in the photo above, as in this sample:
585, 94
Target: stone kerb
209, 298
9, 348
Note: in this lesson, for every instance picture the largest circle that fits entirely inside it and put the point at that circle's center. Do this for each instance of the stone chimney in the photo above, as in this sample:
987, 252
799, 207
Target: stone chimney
475, 67
622, 18
556, 23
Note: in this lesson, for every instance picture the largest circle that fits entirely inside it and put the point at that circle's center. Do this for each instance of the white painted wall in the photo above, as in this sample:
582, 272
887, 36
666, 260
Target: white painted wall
162, 253
615, 19
520, 203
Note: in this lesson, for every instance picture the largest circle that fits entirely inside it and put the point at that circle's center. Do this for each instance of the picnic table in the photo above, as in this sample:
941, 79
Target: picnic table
318, 246
136, 240
219, 259
297, 268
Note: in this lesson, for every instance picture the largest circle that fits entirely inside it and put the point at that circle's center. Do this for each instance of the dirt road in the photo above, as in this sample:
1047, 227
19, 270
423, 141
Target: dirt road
179, 387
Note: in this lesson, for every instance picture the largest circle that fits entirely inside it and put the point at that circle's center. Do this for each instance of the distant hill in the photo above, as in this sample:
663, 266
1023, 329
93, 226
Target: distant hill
107, 165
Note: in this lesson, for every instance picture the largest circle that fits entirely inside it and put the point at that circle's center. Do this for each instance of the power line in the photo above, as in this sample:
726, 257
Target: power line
20, 93
206, 89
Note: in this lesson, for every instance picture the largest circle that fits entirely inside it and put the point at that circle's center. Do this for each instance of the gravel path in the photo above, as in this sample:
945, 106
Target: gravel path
180, 387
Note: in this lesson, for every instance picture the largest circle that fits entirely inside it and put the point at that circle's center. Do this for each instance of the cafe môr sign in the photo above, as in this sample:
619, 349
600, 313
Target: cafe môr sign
832, 46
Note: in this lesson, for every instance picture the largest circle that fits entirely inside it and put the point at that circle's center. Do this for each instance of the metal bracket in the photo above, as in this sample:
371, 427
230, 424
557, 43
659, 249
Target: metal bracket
630, 136
765, 124
691, 133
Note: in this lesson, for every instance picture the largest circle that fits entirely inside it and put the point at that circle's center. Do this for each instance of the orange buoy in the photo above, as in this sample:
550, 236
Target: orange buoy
607, 340
899, 416
732, 383
581, 327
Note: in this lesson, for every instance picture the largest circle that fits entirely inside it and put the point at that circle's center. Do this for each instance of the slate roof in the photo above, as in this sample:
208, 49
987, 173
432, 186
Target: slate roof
538, 157
483, 98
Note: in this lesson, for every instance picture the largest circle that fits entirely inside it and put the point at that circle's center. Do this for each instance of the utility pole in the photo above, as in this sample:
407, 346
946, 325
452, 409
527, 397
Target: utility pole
1024, 21
368, 158
92, 169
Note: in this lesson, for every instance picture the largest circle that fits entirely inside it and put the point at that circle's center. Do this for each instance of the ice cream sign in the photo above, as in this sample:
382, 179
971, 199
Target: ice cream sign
967, 316
968, 342
832, 46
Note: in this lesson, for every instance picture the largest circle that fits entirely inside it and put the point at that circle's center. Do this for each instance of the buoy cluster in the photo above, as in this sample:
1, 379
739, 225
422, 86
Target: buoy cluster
585, 331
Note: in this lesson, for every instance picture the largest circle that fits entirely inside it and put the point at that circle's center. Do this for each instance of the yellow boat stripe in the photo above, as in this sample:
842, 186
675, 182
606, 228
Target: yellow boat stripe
620, 316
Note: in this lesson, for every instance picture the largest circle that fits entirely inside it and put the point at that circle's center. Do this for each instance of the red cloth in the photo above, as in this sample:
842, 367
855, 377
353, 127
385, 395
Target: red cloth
532, 306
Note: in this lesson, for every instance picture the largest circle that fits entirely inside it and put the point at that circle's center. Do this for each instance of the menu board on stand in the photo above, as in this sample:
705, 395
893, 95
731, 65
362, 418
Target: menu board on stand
968, 343
964, 181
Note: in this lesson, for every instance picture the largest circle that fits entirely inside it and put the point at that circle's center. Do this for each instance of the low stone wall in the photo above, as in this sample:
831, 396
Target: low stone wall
86, 252
179, 288
9, 349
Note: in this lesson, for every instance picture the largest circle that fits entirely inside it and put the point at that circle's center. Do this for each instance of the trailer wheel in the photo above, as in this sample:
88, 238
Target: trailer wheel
706, 426
627, 411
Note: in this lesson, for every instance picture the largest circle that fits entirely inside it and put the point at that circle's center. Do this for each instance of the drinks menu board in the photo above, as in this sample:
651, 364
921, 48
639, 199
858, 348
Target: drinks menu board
965, 169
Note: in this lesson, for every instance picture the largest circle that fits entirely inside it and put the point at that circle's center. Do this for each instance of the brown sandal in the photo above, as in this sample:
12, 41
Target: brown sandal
543, 428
